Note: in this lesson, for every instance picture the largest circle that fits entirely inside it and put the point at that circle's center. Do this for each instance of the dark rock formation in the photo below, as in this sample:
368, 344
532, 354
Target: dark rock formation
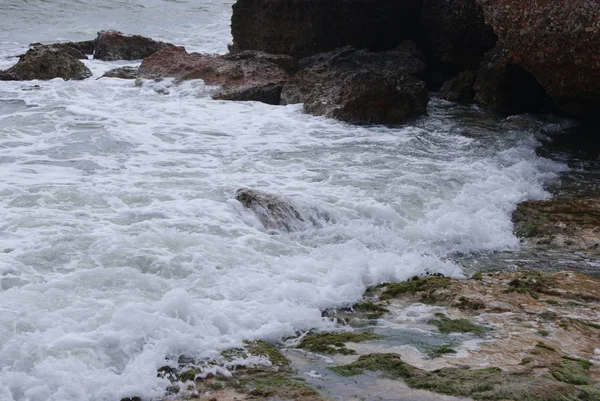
113, 45
361, 86
122, 72
558, 42
455, 36
460, 88
75, 49
560, 223
248, 75
273, 212
47, 62
303, 28
507, 88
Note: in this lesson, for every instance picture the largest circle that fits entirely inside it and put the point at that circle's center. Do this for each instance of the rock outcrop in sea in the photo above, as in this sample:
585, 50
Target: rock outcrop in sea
48, 62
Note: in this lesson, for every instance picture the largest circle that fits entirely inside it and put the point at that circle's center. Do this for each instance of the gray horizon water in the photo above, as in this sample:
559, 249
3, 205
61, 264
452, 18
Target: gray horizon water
122, 248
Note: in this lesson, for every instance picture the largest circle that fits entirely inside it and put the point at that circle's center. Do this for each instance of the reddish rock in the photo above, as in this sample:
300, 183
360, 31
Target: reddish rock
47, 62
113, 45
360, 86
556, 41
248, 75
505, 87
455, 35
303, 28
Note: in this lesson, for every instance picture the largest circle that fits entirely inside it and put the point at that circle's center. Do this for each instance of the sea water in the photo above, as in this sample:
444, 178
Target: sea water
122, 247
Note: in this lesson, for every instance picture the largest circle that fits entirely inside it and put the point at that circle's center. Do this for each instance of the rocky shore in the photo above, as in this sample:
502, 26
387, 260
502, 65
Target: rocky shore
373, 61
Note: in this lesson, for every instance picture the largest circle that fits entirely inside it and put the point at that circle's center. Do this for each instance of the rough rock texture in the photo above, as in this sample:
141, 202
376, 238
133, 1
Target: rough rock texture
248, 75
572, 224
122, 72
460, 88
75, 49
274, 212
361, 86
113, 45
455, 35
302, 28
47, 62
558, 42
506, 87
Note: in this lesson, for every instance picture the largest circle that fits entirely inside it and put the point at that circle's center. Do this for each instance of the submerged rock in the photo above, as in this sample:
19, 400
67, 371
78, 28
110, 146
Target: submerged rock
113, 45
303, 28
48, 62
361, 86
274, 212
248, 75
558, 43
560, 223
122, 72
455, 34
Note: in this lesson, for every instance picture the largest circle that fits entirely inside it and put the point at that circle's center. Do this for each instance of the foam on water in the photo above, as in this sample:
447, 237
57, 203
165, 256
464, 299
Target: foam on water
122, 245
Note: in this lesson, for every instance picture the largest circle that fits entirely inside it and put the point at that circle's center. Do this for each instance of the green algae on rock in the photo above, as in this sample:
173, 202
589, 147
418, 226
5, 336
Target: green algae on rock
334, 343
424, 286
446, 325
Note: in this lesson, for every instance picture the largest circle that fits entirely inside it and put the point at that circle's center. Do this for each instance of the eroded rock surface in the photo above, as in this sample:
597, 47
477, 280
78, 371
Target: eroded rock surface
572, 224
460, 88
48, 62
505, 87
558, 42
248, 75
361, 86
113, 45
303, 28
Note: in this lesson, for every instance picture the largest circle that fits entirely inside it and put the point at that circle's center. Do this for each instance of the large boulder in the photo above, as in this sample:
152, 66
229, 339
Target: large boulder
505, 87
460, 88
455, 35
248, 75
359, 86
47, 62
113, 45
273, 211
556, 41
303, 28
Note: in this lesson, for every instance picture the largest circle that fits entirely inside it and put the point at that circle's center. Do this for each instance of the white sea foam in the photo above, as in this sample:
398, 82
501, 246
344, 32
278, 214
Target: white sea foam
121, 244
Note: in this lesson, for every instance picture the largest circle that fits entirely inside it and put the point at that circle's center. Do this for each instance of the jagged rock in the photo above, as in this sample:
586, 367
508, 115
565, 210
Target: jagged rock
361, 86
455, 34
47, 62
274, 212
505, 87
71, 48
303, 28
558, 43
560, 223
460, 88
122, 72
248, 75
113, 45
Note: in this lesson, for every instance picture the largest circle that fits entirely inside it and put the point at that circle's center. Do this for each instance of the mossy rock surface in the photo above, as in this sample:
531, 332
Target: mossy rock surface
334, 343
446, 325
490, 383
425, 286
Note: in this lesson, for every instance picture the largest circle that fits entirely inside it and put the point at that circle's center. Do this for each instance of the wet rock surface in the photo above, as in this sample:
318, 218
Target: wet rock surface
572, 224
273, 211
460, 88
500, 336
113, 45
303, 28
245, 75
361, 86
122, 72
456, 36
48, 62
558, 43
